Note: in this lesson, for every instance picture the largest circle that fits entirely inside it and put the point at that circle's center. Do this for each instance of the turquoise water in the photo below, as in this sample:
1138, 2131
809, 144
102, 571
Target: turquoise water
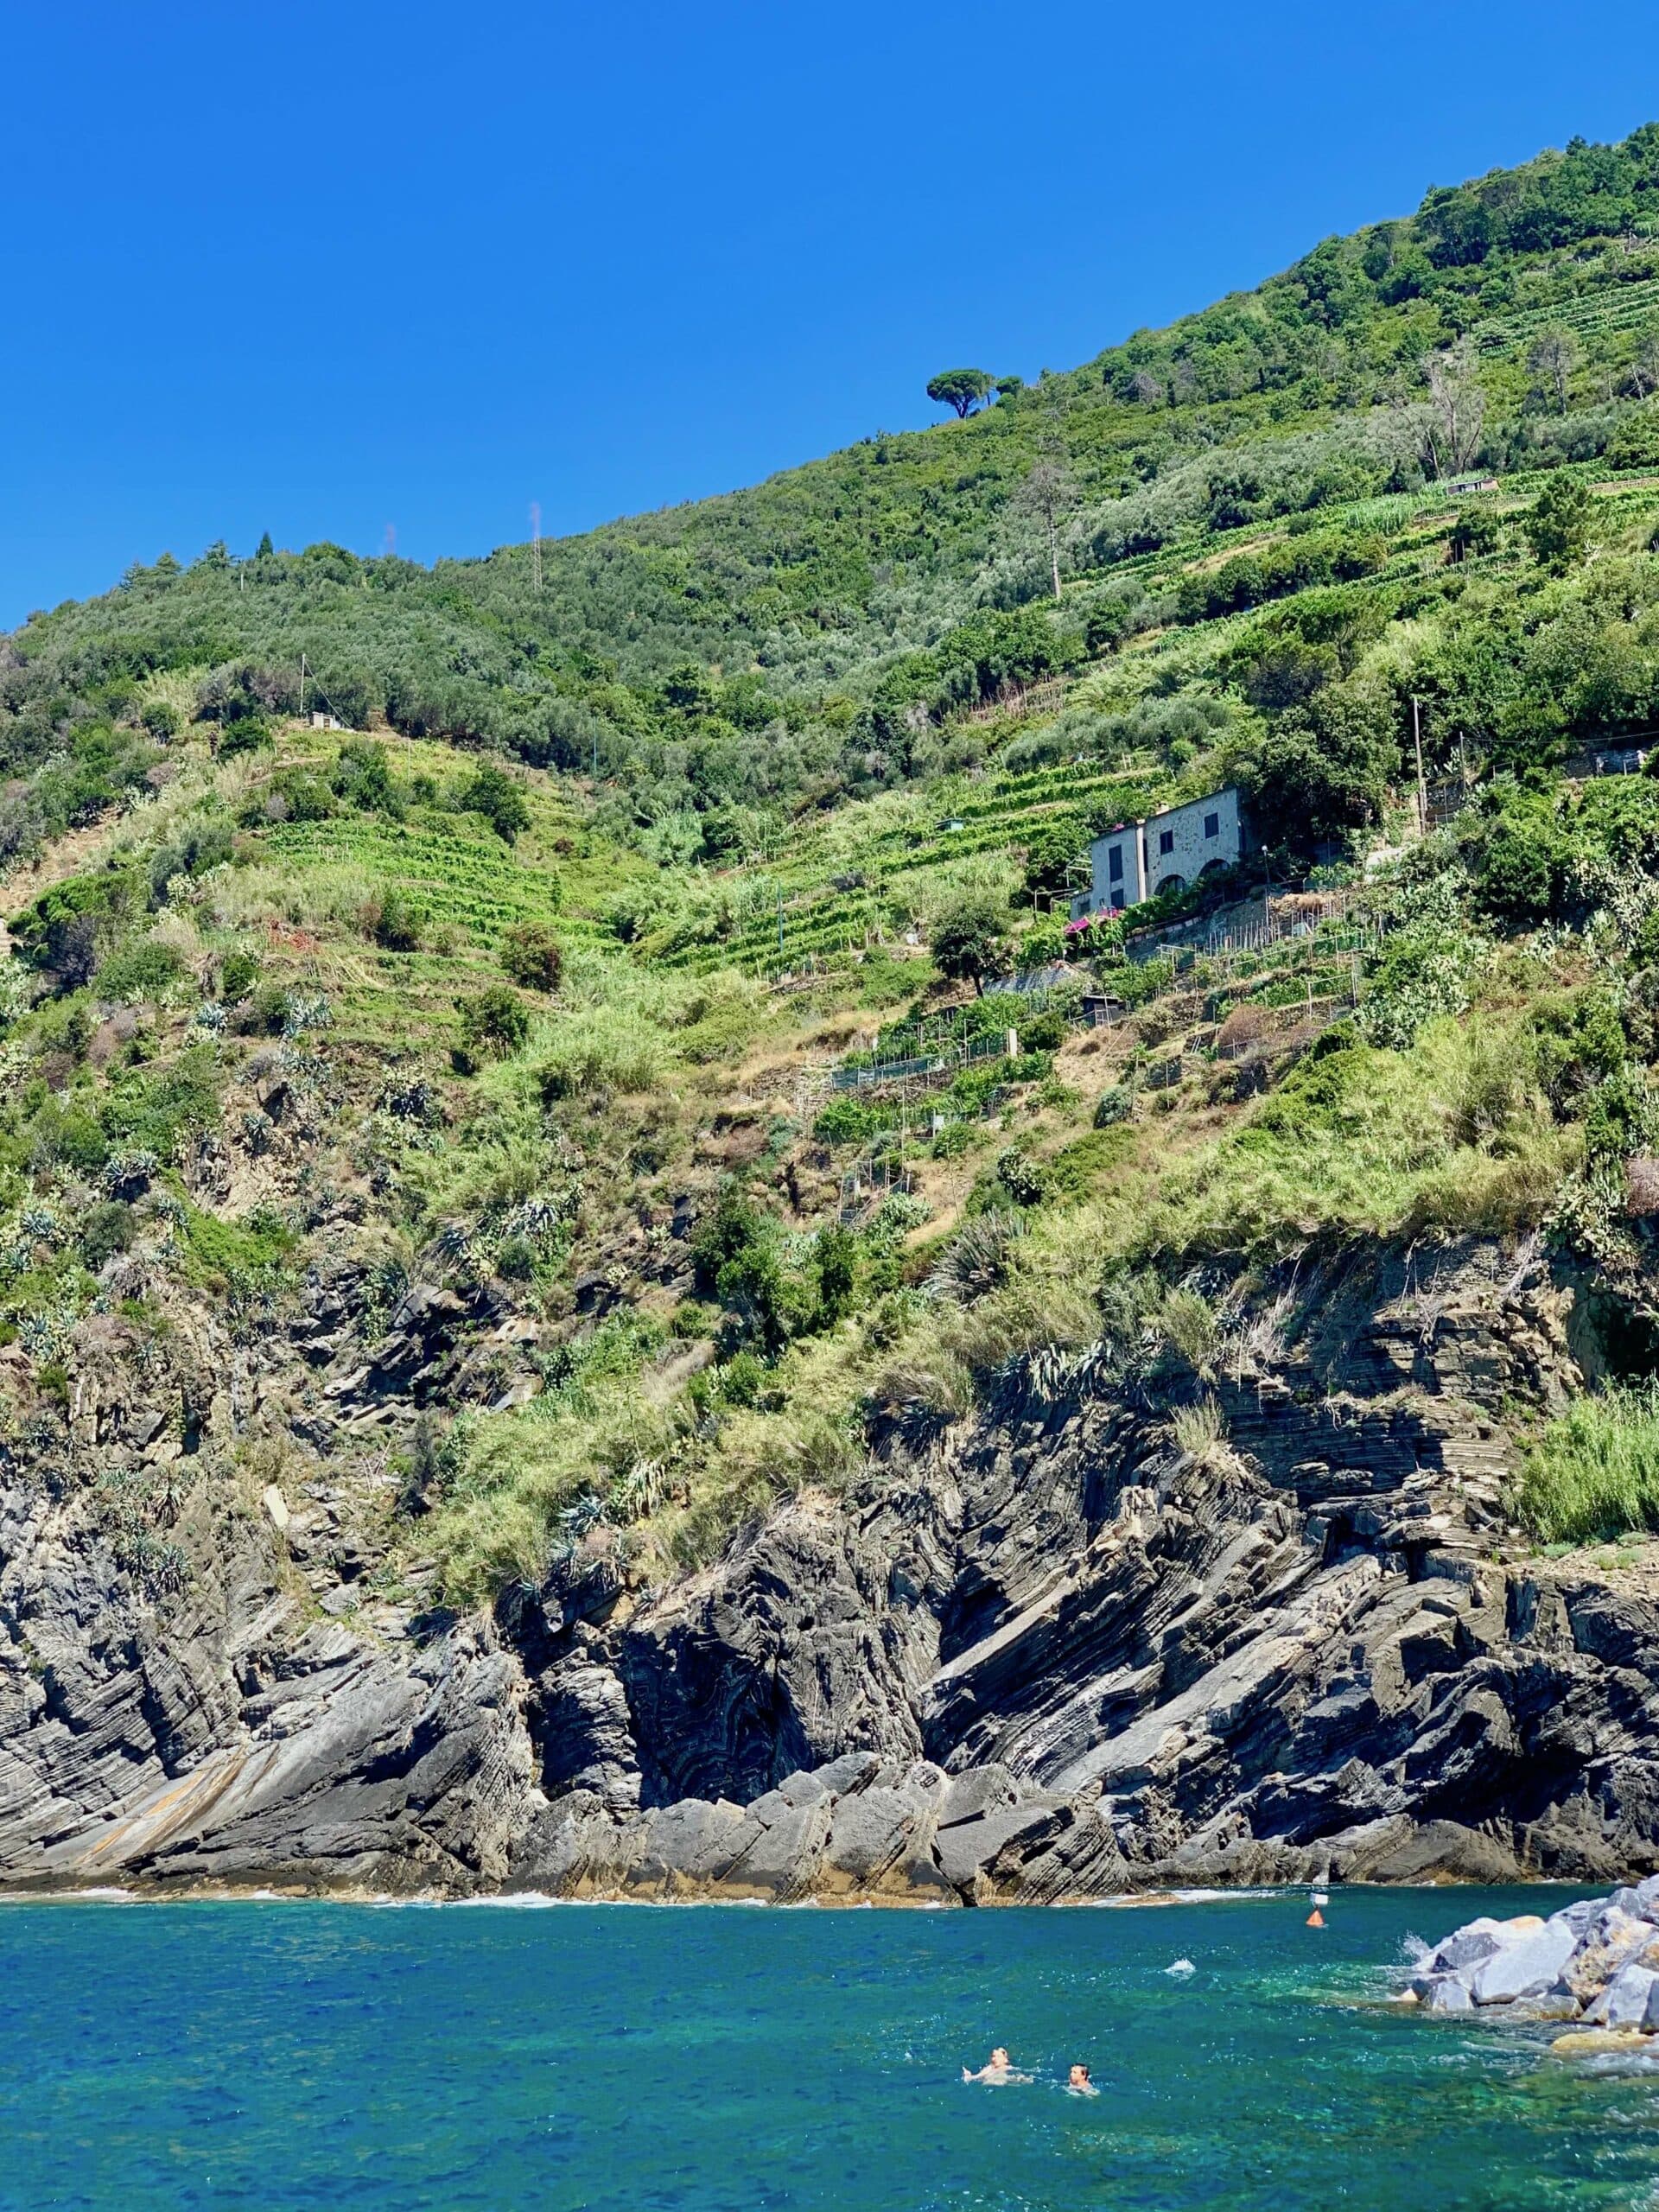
276, 2055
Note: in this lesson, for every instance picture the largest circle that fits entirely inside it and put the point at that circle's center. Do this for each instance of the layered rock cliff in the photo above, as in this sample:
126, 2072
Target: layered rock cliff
1045, 1653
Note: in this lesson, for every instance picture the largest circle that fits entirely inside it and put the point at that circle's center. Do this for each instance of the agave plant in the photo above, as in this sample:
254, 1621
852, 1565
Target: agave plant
409, 1101
388, 1283
16, 1259
535, 1219
1054, 1375
127, 1173
307, 1010
583, 1514
42, 1335
256, 1130
454, 1242
637, 1491
977, 1260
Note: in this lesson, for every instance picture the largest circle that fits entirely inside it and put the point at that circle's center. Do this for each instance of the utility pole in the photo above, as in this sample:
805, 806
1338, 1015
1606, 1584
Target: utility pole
1422, 788
302, 687
780, 921
536, 541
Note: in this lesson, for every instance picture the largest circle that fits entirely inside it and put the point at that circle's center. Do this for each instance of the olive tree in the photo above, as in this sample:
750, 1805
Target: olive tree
967, 941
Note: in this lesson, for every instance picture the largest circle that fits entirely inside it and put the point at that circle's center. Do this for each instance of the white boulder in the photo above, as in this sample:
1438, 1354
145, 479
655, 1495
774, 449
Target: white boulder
1528, 1966
1624, 2002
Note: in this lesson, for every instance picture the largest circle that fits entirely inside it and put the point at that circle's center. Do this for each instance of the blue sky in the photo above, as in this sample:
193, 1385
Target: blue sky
326, 270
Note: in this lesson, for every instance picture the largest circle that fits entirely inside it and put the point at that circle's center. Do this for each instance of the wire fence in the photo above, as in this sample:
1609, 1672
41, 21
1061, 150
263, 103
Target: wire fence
1271, 923
1020, 699
880, 1072
1321, 922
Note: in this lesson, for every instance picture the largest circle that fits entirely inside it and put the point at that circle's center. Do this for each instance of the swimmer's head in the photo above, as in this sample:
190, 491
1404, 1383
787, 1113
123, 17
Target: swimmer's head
999, 2057
1078, 2076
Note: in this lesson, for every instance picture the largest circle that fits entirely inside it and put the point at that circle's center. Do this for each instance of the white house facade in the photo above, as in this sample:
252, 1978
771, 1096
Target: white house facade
1166, 851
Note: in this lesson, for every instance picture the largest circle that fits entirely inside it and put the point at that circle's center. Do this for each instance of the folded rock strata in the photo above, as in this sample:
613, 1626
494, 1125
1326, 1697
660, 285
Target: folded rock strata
1044, 1654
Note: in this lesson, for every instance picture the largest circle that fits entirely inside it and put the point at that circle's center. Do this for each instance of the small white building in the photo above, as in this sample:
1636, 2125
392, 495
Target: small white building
1166, 851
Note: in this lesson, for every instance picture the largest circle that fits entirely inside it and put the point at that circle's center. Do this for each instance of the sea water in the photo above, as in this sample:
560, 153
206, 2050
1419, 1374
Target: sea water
624, 2058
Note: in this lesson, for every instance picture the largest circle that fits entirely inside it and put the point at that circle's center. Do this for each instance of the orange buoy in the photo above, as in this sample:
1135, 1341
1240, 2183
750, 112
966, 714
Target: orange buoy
1316, 1918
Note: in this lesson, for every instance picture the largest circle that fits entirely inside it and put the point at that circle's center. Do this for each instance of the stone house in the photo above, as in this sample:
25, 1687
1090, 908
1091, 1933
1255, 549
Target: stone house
1169, 850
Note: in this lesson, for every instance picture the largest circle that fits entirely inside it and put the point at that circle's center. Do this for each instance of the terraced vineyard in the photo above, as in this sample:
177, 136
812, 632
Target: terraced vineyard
475, 883
972, 821
1627, 308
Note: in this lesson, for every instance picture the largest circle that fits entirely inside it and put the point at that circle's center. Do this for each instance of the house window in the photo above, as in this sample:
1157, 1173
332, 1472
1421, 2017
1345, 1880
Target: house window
1165, 841
1115, 869
1212, 825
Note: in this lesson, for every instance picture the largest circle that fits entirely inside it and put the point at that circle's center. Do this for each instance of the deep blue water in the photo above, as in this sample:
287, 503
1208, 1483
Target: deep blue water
624, 2059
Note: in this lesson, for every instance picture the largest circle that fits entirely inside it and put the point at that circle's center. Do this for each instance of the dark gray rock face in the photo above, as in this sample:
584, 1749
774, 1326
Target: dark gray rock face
222, 1739
1291, 1655
1047, 1655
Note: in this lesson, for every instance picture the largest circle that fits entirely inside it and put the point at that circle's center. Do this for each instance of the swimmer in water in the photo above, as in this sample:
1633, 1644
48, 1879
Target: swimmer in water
997, 2073
1078, 2084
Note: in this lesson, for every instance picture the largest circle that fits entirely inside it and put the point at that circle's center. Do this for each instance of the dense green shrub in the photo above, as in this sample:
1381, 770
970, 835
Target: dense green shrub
1559, 523
849, 1121
362, 777
145, 969
68, 927
968, 941
1475, 531
836, 1254
237, 974
532, 957
769, 1294
151, 1109
1025, 1180
270, 1008
1518, 854
735, 1224
1420, 973
1042, 1032
1320, 768
250, 733
106, 1230
395, 923
198, 845
1053, 855
492, 792
247, 1255
1635, 443
494, 1023
69, 1136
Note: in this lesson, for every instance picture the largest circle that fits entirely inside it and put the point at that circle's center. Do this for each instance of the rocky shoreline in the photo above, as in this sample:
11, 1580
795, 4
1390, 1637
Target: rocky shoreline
1592, 1966
866, 1830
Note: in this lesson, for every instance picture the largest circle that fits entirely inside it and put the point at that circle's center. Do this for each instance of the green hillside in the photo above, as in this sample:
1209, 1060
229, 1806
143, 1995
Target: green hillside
557, 979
